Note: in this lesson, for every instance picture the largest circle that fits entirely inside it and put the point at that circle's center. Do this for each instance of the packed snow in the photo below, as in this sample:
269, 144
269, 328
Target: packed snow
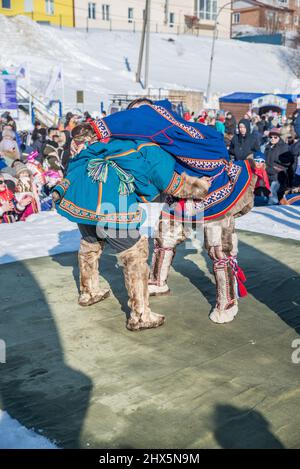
48, 233
14, 436
96, 61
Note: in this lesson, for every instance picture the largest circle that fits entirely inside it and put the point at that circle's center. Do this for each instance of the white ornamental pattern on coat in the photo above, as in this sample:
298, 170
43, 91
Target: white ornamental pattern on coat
222, 193
103, 129
204, 165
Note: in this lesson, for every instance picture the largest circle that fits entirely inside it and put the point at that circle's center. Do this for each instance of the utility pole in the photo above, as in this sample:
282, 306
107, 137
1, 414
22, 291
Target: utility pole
147, 45
145, 32
208, 89
166, 11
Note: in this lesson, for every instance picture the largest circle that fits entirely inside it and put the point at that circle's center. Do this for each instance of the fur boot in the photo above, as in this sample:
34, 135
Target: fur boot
136, 273
88, 258
167, 236
160, 266
221, 243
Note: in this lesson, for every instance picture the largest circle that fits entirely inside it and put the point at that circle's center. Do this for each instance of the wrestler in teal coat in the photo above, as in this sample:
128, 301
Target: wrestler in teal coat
106, 181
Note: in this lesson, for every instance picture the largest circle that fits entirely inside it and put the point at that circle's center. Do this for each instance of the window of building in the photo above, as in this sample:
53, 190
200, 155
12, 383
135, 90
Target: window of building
130, 15
6, 3
92, 11
105, 12
236, 18
206, 9
171, 19
298, 3
49, 7
296, 20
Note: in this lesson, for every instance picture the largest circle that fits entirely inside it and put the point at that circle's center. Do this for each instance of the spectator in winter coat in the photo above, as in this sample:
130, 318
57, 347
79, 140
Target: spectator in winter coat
230, 124
10, 208
244, 143
52, 151
295, 151
262, 125
8, 145
279, 162
26, 192
65, 142
38, 137
297, 123
220, 124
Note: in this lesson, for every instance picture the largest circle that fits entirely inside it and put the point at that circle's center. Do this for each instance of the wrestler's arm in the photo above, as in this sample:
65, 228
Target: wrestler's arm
166, 179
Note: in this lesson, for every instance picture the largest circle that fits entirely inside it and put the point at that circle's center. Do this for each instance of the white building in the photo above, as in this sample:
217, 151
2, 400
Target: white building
177, 16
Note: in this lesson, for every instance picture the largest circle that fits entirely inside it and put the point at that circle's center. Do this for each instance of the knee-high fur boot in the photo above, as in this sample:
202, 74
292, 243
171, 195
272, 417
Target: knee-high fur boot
168, 235
88, 259
162, 258
221, 243
136, 273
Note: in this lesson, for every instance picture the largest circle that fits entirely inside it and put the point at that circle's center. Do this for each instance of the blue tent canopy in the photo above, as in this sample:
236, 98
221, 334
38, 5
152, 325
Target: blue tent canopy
240, 97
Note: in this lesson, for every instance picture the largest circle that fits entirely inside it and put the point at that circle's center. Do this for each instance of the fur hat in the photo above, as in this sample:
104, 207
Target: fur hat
274, 131
8, 134
19, 167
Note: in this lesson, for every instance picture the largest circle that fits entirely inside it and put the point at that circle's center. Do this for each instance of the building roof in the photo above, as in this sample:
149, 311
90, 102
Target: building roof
241, 97
254, 4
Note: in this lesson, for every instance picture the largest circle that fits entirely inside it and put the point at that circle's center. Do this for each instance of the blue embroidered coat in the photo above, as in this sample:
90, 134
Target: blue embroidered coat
105, 183
199, 150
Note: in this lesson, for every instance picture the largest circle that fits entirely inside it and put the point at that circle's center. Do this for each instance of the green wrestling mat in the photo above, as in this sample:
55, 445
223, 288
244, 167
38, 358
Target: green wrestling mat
79, 376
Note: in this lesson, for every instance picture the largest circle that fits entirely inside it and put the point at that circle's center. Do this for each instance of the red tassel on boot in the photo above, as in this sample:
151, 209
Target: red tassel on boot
241, 275
242, 289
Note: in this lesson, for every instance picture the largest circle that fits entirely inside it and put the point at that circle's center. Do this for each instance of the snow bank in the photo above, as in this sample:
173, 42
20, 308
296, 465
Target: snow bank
14, 436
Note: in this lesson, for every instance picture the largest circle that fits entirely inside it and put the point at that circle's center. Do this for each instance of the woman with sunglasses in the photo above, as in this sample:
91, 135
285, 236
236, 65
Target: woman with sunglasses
279, 161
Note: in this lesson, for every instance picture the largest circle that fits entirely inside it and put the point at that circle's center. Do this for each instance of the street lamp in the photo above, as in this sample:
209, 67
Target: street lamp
213, 49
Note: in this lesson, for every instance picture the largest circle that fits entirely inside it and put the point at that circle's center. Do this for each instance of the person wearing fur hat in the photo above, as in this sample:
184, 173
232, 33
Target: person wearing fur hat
36, 169
26, 192
10, 208
8, 145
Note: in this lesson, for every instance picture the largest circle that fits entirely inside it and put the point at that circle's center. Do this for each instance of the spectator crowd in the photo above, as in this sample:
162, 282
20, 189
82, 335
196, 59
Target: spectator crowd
272, 139
31, 164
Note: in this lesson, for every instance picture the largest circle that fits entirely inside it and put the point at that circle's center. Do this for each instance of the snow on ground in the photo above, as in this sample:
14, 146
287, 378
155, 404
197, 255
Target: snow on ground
48, 233
282, 221
95, 61
14, 436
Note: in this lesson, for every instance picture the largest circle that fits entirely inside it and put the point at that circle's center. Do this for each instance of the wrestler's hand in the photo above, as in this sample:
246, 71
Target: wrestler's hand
206, 182
55, 196
193, 187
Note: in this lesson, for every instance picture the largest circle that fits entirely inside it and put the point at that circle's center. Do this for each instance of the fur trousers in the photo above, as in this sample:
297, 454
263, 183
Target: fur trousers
136, 273
89, 279
220, 241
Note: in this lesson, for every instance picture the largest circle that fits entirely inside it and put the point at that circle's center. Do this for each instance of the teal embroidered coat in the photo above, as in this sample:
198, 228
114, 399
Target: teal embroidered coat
106, 181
